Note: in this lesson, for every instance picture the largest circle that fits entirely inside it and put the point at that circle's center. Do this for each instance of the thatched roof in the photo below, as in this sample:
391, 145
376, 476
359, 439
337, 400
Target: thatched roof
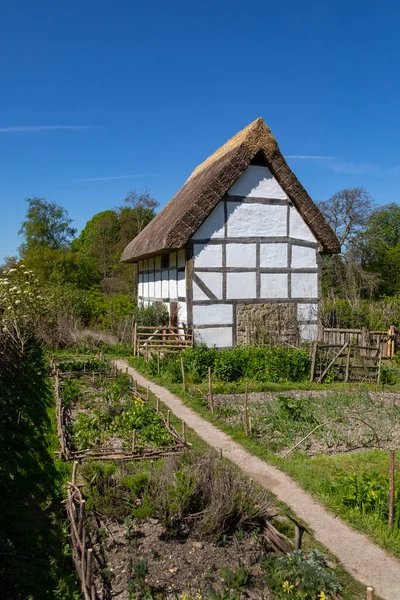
175, 224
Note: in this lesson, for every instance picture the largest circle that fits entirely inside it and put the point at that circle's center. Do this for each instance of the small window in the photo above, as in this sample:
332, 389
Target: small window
164, 261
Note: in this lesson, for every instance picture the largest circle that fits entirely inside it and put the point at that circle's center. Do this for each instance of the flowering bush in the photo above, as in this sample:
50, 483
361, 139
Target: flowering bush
22, 306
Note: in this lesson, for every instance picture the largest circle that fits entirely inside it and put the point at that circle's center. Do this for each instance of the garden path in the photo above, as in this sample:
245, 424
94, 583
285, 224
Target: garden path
366, 562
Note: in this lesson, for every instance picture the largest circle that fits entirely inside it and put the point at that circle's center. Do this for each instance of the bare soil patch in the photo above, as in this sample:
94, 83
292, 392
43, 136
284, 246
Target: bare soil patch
179, 566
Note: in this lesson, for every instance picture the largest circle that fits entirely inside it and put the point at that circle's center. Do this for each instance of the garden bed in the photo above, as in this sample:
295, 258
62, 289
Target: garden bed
187, 527
320, 422
102, 415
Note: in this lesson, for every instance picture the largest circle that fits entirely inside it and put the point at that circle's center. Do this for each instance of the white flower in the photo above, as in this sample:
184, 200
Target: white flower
18, 302
12, 271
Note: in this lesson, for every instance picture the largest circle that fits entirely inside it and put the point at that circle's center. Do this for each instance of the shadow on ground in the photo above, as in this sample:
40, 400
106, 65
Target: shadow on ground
34, 555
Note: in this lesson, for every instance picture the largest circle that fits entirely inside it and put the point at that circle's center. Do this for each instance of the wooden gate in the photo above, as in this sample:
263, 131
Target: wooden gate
160, 340
367, 341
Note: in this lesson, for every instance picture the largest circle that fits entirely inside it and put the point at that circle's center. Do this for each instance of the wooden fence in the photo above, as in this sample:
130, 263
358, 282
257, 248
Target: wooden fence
160, 340
368, 341
82, 555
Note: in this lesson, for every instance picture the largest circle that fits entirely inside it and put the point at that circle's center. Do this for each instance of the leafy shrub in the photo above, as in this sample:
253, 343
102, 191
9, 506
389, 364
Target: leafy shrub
198, 360
152, 315
367, 492
298, 576
173, 490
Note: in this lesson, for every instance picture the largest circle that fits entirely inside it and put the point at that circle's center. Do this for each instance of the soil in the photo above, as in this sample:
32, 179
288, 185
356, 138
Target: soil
175, 566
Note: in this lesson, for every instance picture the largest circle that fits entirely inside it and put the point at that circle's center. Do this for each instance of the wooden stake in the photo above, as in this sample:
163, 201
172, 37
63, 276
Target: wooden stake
245, 418
89, 568
313, 360
126, 370
168, 417
158, 364
184, 431
210, 390
147, 352
74, 468
298, 536
148, 393
135, 387
135, 339
84, 367
347, 375
183, 374
133, 441
370, 593
391, 488
158, 405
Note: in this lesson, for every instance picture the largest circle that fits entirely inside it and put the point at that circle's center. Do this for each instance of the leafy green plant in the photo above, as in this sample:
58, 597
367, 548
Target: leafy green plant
300, 576
236, 580
368, 492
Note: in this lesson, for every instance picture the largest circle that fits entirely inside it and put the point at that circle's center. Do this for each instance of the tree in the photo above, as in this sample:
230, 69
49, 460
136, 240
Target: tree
46, 225
98, 241
347, 212
138, 212
378, 248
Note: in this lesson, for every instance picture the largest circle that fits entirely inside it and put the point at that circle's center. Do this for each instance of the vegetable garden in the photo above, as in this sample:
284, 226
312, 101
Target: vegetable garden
101, 414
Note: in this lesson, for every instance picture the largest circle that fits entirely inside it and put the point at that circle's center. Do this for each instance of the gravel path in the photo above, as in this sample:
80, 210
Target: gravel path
368, 563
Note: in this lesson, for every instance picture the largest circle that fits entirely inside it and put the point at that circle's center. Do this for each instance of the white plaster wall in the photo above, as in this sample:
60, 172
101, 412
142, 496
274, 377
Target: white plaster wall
198, 294
298, 228
256, 220
216, 314
213, 281
182, 313
304, 258
157, 285
151, 285
181, 284
308, 333
221, 337
304, 285
165, 284
145, 285
274, 255
241, 255
140, 285
173, 288
207, 255
274, 285
213, 226
307, 312
257, 181
241, 285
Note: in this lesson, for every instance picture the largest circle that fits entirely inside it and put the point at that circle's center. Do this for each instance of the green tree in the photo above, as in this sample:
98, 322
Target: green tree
97, 241
378, 248
46, 225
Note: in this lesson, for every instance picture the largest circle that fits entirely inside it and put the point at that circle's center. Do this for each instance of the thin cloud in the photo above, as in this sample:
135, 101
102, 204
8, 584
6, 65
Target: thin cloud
303, 157
116, 177
21, 129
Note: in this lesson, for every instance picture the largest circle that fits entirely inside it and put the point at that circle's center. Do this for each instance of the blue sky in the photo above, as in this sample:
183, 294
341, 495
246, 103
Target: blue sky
98, 98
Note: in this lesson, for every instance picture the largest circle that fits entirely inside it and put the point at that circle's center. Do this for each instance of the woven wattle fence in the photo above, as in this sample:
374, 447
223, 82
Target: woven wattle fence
82, 555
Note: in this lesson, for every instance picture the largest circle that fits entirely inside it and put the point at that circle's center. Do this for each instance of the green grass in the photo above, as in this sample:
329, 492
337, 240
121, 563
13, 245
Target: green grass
34, 554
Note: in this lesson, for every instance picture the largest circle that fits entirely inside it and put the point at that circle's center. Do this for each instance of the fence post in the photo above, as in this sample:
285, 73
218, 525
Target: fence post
346, 378
370, 593
391, 488
183, 374
168, 417
245, 418
210, 390
313, 360
158, 363
158, 405
184, 431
